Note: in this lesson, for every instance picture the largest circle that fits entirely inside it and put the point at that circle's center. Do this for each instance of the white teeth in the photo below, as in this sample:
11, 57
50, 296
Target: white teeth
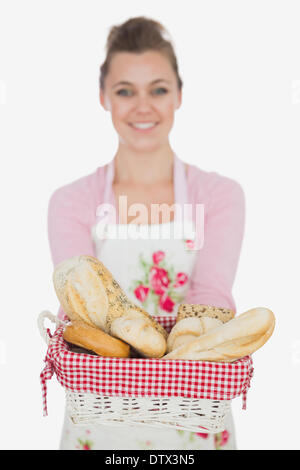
144, 125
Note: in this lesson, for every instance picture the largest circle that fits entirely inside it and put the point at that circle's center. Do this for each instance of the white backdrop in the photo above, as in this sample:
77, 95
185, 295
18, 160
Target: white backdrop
240, 116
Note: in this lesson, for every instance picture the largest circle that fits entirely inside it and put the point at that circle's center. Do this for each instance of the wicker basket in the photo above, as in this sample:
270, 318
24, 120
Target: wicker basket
183, 413
180, 412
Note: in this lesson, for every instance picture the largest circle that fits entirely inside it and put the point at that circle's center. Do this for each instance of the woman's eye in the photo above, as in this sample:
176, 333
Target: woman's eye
161, 89
120, 92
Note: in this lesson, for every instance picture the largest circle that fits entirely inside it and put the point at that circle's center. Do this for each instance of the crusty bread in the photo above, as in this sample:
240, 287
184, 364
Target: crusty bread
145, 337
194, 320
94, 339
188, 329
200, 310
87, 291
237, 338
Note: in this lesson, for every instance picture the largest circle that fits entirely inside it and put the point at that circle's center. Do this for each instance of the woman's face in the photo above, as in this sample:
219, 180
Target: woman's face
141, 89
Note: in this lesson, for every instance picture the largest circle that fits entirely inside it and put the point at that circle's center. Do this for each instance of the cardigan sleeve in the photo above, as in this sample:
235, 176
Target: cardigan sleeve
68, 226
216, 263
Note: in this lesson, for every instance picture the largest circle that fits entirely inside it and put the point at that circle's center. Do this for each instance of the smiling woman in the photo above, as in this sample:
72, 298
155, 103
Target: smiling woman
141, 88
142, 105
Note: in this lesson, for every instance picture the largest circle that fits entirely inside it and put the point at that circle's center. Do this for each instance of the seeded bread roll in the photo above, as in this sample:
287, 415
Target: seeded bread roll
91, 338
87, 291
199, 310
233, 340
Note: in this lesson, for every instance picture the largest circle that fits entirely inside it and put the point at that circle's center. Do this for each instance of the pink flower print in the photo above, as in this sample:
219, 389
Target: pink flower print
159, 280
141, 293
158, 256
204, 435
84, 445
225, 437
181, 279
190, 244
221, 438
166, 303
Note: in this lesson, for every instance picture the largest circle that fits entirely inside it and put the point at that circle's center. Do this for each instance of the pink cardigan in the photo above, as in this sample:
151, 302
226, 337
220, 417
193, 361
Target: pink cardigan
72, 213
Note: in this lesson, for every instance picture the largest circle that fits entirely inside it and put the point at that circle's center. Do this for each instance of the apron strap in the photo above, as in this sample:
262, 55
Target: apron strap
105, 212
180, 181
180, 190
110, 174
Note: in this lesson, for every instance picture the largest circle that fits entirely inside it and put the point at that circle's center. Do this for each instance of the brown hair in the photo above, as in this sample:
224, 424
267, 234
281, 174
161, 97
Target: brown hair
137, 35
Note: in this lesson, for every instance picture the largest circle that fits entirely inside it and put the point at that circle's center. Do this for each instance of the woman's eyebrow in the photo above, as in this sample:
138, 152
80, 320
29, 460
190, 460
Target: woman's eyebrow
152, 83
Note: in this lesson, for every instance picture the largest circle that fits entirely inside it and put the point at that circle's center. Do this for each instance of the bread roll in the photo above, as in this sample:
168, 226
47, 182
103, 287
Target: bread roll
93, 339
145, 337
189, 329
87, 291
194, 320
200, 310
237, 338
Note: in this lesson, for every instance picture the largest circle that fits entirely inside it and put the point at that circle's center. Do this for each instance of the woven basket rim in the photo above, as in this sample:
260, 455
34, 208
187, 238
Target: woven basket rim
64, 351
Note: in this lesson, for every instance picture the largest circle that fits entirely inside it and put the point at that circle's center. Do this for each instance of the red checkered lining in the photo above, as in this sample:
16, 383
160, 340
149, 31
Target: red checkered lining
131, 377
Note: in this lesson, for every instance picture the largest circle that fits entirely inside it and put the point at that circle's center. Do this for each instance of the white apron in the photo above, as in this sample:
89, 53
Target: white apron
155, 274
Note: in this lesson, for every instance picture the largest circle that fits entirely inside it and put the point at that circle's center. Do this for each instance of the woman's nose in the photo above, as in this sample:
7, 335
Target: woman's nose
143, 102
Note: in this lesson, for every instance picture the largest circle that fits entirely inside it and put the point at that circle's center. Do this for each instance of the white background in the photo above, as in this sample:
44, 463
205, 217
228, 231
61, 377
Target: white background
239, 61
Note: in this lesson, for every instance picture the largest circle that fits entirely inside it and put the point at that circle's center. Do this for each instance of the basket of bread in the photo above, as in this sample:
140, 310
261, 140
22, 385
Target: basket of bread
121, 366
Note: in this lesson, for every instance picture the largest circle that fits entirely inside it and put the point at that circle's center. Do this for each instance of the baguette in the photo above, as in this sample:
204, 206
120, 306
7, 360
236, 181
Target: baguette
91, 338
87, 291
237, 338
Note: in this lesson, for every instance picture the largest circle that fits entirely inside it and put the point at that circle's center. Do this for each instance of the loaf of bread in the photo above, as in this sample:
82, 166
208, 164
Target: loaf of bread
87, 291
237, 338
194, 320
200, 311
93, 339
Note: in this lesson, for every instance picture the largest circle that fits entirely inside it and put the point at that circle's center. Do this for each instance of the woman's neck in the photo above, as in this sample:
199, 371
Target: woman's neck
147, 169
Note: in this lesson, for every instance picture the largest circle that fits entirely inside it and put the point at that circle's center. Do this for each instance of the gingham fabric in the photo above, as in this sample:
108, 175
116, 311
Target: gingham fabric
117, 377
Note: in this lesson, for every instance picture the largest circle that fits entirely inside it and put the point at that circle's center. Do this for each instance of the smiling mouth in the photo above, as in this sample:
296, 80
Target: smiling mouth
142, 128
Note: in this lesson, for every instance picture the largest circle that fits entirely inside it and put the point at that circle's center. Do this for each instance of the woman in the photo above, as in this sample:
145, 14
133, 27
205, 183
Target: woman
140, 86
